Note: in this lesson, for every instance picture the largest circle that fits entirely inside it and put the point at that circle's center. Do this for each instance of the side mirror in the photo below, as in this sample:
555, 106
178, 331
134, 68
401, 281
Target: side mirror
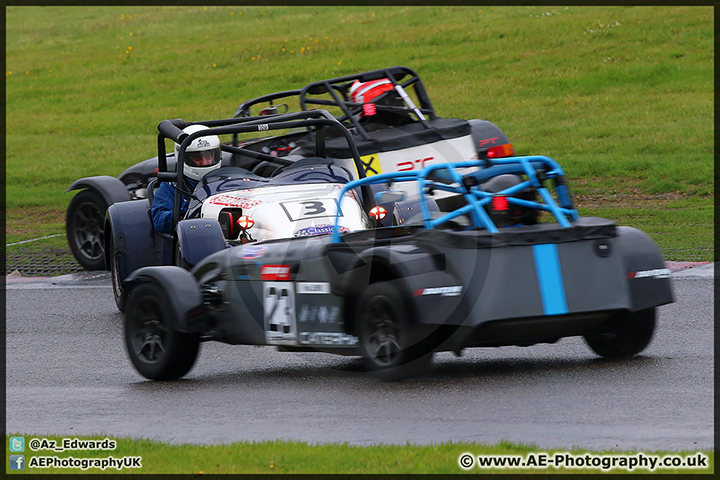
389, 196
275, 109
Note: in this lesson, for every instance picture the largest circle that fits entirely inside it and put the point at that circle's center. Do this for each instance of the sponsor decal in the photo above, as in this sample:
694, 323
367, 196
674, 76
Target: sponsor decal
327, 338
656, 273
419, 163
250, 252
442, 291
202, 142
318, 314
313, 287
487, 141
371, 165
231, 201
275, 272
318, 230
279, 308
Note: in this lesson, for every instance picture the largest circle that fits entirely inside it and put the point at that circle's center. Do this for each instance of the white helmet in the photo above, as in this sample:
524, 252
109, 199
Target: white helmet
202, 155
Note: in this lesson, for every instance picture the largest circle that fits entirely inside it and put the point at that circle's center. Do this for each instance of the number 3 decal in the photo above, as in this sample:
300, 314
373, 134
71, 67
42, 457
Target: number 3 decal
312, 208
309, 209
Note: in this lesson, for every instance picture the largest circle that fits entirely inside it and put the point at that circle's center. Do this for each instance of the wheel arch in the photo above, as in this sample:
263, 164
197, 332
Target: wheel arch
648, 277
129, 228
181, 288
109, 188
413, 272
371, 268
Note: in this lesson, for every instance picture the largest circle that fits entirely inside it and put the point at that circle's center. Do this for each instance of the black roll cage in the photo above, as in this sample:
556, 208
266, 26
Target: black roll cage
315, 121
338, 89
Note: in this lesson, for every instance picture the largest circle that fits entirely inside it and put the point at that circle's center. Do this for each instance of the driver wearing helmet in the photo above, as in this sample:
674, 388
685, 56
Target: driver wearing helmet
201, 157
367, 93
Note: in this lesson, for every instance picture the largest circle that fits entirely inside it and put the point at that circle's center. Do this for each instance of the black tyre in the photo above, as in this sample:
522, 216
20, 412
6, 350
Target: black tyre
628, 334
83, 225
390, 345
119, 292
156, 349
179, 258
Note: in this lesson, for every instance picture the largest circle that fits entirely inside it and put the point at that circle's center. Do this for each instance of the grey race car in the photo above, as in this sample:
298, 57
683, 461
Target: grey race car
499, 259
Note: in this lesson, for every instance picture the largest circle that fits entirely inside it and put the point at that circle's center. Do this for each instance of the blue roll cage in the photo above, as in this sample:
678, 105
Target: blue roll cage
476, 199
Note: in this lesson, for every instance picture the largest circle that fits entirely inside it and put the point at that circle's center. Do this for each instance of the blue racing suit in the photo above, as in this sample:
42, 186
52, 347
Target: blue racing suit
162, 207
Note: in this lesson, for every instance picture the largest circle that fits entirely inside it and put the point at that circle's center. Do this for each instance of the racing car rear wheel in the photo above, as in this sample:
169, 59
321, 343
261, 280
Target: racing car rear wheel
158, 351
84, 222
628, 334
387, 338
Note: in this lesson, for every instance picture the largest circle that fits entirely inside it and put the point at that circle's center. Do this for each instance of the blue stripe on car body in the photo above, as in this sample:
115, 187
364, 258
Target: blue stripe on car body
550, 279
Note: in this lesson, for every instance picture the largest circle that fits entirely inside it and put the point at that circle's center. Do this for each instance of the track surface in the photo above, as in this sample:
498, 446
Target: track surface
67, 373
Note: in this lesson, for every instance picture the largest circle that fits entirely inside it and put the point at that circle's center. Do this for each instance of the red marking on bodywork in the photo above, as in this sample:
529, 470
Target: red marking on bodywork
411, 165
230, 201
275, 272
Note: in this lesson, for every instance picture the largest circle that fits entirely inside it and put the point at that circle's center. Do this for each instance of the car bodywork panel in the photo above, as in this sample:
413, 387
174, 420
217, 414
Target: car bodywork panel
453, 279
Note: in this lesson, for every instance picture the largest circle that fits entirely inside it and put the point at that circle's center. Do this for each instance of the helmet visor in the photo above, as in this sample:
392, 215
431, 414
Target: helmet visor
203, 158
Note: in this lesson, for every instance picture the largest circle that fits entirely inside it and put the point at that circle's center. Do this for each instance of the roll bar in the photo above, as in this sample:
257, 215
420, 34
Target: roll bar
454, 182
313, 119
338, 89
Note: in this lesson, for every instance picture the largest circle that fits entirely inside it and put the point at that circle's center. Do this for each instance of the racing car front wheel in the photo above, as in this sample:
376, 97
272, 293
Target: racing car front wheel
83, 225
628, 334
156, 349
387, 338
119, 293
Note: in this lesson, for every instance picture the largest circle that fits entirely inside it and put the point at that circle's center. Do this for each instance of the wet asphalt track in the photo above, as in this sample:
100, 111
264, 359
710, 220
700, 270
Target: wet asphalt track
67, 373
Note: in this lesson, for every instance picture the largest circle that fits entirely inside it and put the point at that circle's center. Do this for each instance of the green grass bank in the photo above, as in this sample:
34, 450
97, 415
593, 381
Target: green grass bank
622, 97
